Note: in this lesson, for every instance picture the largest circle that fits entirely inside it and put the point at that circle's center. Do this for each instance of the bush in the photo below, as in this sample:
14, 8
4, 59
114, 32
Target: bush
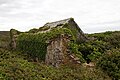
110, 63
34, 30
92, 50
89, 51
112, 38
74, 49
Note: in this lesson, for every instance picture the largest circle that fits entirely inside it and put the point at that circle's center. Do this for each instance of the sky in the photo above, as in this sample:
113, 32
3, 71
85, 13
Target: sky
92, 16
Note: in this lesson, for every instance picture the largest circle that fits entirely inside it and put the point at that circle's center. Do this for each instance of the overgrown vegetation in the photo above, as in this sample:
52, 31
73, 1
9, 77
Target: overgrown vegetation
36, 44
98, 44
14, 66
103, 49
107, 51
110, 63
91, 50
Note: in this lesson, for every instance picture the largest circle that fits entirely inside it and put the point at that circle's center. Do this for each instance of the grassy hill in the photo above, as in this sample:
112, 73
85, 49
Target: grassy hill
103, 49
4, 39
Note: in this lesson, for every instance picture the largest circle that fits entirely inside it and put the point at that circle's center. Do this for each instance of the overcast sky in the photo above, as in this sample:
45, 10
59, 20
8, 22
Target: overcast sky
91, 15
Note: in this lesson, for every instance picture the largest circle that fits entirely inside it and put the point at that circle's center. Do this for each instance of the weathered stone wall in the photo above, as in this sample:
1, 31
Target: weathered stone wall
80, 36
13, 35
56, 51
13, 42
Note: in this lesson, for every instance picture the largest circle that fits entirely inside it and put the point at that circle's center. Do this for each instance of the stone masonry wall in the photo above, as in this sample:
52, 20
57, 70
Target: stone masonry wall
13, 34
56, 51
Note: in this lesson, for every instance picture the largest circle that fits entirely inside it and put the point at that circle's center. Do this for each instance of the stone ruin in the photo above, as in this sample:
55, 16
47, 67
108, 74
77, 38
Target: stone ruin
70, 24
57, 49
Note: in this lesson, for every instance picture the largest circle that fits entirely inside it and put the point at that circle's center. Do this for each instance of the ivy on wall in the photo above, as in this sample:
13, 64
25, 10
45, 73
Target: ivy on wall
35, 44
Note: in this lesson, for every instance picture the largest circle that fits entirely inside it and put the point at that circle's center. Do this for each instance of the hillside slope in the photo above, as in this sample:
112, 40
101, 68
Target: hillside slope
4, 39
102, 49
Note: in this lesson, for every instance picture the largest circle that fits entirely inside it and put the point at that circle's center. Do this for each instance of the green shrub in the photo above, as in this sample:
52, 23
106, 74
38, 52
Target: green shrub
34, 30
112, 38
94, 55
89, 51
92, 50
110, 63
44, 28
74, 49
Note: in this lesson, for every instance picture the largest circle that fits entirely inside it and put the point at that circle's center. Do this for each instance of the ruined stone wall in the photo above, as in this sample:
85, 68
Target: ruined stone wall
57, 47
80, 36
13, 35
57, 50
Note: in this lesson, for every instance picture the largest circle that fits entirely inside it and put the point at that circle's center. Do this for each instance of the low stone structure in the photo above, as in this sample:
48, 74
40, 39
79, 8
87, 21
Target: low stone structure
57, 48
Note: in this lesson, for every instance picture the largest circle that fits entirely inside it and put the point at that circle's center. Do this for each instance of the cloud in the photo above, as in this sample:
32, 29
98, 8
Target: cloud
91, 15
